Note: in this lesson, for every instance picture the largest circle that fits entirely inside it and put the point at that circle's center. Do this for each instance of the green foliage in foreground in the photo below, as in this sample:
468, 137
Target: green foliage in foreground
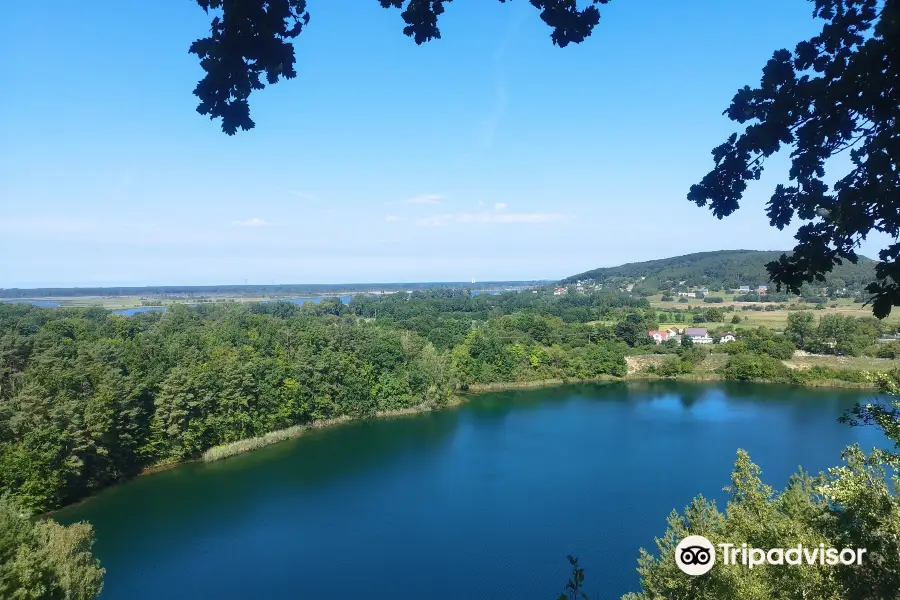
42, 560
852, 506
855, 505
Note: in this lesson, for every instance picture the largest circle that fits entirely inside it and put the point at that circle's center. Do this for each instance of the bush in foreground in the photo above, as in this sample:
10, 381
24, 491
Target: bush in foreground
42, 560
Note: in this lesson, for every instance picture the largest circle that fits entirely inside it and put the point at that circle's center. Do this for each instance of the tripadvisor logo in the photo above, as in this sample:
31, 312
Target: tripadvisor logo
696, 555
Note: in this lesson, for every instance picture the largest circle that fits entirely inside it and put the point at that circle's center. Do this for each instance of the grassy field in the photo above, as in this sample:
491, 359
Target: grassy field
857, 363
121, 302
713, 362
775, 319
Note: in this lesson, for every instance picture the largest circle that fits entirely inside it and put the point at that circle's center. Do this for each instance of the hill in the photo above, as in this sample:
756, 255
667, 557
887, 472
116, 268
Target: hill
724, 269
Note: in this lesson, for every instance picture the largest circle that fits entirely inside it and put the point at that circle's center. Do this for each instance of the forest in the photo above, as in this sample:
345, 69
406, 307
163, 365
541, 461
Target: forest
719, 270
88, 397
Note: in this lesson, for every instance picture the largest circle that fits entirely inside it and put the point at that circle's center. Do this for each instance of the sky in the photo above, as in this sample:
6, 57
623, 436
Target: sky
488, 154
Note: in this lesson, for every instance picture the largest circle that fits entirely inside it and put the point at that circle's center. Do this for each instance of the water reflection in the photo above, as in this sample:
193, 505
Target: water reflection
508, 483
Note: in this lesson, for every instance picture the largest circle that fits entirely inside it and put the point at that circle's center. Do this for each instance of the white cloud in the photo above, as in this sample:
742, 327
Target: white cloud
487, 218
500, 206
254, 222
426, 199
391, 219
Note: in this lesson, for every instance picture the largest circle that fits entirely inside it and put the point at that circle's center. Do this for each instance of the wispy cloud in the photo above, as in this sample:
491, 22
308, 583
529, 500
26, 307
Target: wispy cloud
491, 123
392, 218
426, 199
501, 206
487, 218
254, 222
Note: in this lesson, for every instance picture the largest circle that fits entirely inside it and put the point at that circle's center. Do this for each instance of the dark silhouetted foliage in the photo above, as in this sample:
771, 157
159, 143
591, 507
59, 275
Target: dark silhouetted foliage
252, 38
836, 92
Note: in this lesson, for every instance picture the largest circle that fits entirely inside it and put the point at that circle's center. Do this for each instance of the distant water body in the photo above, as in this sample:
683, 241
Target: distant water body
130, 312
133, 311
41, 303
482, 502
344, 299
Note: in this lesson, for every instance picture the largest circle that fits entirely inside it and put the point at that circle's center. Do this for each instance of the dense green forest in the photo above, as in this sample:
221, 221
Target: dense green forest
88, 397
722, 269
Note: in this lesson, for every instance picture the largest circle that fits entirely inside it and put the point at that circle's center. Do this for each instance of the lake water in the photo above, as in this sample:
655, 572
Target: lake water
130, 312
316, 300
40, 303
476, 502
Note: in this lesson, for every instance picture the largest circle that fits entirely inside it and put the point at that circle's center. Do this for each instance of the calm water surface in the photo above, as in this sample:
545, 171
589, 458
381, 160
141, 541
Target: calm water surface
40, 303
481, 501
130, 312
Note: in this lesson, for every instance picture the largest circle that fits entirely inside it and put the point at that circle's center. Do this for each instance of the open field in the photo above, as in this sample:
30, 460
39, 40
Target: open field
858, 363
776, 319
122, 302
707, 369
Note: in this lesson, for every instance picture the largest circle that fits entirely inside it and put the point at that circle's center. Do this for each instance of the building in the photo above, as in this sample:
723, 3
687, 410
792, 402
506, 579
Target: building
744, 289
659, 336
885, 338
688, 294
699, 335
703, 291
762, 290
728, 337
560, 291
673, 331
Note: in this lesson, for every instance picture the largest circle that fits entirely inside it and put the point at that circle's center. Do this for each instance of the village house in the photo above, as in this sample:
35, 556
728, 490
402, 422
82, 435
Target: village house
744, 289
703, 291
688, 294
673, 331
762, 290
728, 337
698, 335
659, 336
559, 291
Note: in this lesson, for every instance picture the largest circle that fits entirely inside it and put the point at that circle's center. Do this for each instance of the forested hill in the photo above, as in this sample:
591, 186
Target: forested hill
720, 269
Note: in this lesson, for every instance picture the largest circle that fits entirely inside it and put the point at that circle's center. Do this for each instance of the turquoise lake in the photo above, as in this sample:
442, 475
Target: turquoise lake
480, 501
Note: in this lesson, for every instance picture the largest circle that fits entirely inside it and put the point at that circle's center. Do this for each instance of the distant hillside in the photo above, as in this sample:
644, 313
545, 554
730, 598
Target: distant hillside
723, 268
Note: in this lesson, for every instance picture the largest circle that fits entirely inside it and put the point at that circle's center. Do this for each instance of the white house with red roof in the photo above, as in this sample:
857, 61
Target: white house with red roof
659, 336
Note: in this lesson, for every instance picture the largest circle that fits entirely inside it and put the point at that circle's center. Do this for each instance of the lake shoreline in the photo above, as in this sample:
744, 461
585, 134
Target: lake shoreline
461, 397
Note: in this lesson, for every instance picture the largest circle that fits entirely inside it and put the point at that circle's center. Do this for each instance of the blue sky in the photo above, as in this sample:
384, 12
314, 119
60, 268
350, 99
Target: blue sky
489, 154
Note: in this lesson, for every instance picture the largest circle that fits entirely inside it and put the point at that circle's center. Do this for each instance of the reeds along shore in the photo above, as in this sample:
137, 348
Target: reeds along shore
273, 437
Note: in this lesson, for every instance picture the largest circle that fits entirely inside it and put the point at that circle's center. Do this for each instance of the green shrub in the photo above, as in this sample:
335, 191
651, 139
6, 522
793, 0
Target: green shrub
749, 366
889, 350
674, 366
821, 373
